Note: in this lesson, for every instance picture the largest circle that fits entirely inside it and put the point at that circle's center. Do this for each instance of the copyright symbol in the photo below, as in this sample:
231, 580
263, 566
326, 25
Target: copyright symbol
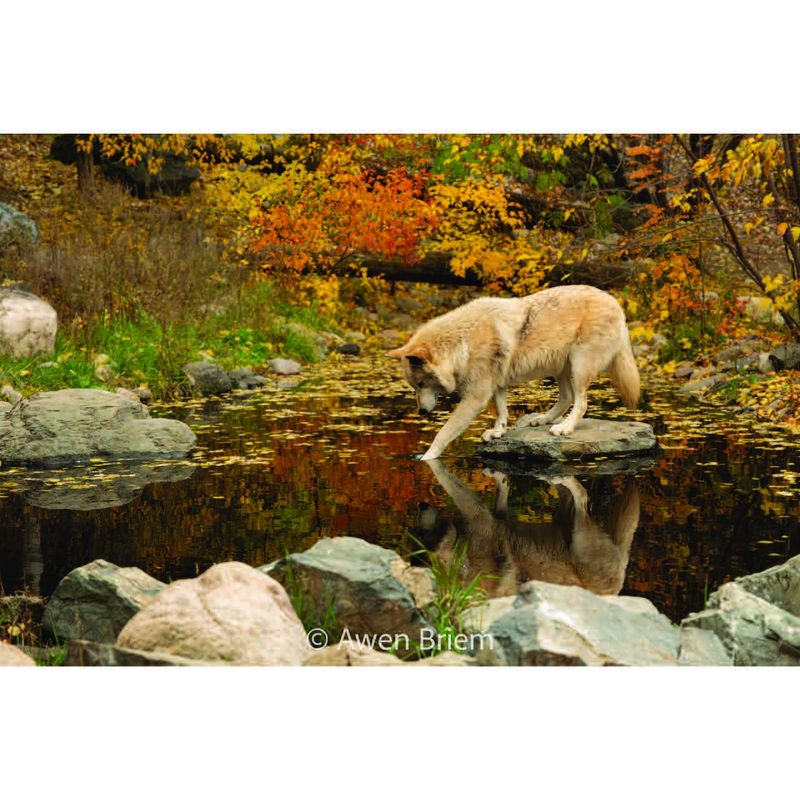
317, 638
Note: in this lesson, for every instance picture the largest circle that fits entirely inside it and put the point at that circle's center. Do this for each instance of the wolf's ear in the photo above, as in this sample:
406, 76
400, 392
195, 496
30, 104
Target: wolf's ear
418, 355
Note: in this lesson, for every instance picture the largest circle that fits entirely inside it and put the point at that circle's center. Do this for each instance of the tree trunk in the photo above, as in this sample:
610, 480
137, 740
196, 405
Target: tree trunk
85, 165
435, 268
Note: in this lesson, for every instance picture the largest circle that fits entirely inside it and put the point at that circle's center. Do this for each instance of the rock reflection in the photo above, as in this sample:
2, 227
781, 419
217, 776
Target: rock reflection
108, 486
568, 546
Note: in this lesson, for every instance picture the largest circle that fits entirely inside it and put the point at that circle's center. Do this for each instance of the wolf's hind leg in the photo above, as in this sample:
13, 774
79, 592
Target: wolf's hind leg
558, 410
501, 423
580, 379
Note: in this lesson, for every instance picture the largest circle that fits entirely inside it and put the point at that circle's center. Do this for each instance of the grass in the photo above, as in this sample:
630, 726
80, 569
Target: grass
309, 611
150, 286
141, 351
453, 597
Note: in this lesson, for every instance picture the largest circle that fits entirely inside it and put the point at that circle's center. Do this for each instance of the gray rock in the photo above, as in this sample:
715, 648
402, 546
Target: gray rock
391, 338
552, 625
702, 385
245, 378
746, 362
322, 341
778, 585
284, 366
592, 437
684, 369
11, 656
731, 353
702, 648
28, 324
123, 392
231, 613
349, 349
208, 377
16, 227
764, 364
368, 589
71, 425
753, 631
144, 394
83, 653
95, 601
785, 356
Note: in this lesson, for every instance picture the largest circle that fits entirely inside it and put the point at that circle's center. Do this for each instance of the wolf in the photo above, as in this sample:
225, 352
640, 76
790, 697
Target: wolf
572, 548
570, 333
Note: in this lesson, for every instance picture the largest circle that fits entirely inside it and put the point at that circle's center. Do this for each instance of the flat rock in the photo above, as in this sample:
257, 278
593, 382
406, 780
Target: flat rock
231, 613
592, 437
74, 425
552, 625
284, 366
11, 656
95, 601
368, 589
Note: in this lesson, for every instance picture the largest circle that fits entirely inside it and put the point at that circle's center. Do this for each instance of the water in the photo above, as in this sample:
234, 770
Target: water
277, 470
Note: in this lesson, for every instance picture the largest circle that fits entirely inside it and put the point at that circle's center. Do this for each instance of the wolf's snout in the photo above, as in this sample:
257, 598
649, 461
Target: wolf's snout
424, 412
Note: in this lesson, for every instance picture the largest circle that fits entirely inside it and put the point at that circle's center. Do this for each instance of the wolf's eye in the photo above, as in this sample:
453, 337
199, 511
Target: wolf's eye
419, 384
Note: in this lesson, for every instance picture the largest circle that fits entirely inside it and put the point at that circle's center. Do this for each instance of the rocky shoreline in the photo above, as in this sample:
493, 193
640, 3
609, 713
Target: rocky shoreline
346, 602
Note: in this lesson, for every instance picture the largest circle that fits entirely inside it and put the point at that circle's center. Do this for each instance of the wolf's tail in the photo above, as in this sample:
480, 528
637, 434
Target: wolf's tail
625, 374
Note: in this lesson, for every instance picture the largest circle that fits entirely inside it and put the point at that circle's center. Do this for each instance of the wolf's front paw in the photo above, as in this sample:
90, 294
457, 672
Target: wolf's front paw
562, 429
531, 421
493, 433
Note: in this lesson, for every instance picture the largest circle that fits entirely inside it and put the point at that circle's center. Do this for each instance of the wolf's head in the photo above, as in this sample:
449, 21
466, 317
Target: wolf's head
427, 376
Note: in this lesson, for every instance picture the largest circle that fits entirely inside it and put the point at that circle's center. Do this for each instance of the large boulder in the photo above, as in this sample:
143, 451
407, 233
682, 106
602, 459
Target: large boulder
28, 324
53, 428
365, 589
83, 653
11, 656
231, 613
756, 617
16, 227
551, 625
95, 601
208, 377
353, 655
592, 437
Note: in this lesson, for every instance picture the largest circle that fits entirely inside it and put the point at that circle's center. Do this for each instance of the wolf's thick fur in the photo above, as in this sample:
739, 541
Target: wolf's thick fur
571, 333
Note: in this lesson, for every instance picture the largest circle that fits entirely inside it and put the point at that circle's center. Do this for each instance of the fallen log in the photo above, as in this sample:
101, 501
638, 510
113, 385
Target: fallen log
435, 268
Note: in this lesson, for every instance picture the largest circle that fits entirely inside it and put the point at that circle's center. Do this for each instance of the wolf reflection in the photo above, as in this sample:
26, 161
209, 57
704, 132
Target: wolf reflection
572, 548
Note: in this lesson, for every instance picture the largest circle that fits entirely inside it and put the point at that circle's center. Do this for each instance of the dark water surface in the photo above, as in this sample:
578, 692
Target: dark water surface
279, 469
